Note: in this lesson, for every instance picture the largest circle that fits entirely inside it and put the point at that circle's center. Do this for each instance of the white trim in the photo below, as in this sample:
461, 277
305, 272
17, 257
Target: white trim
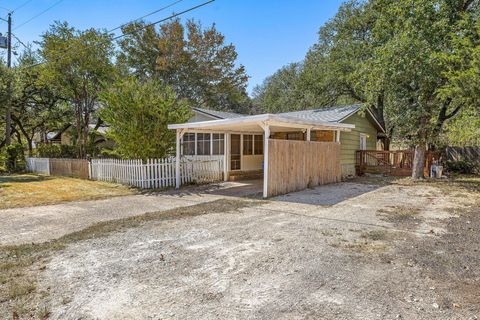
179, 135
265, 160
225, 158
337, 136
371, 114
269, 119
362, 136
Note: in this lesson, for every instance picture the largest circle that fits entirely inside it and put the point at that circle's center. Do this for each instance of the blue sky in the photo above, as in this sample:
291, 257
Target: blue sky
267, 34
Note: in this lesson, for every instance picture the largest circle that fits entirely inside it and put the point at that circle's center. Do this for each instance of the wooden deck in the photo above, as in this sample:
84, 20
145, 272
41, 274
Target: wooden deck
391, 163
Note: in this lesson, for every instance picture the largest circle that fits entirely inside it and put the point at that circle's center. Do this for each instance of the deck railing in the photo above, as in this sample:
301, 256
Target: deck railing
395, 163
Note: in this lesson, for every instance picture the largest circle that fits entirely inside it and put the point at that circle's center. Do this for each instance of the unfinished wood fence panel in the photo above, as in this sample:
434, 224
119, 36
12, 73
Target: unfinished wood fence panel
77, 168
297, 165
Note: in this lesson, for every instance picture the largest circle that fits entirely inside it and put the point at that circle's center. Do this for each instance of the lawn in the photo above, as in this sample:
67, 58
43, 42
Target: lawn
25, 190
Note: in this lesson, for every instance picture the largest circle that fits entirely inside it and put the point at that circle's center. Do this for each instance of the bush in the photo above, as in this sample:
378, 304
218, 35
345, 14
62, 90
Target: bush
461, 166
48, 150
13, 158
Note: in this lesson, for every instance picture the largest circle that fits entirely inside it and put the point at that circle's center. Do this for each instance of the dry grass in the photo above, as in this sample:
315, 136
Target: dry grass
21, 265
25, 190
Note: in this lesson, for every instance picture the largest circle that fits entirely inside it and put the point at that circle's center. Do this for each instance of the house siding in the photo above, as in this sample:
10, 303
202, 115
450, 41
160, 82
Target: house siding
350, 141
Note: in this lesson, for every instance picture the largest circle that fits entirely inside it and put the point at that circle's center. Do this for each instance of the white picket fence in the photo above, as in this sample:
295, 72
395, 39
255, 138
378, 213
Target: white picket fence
38, 165
156, 173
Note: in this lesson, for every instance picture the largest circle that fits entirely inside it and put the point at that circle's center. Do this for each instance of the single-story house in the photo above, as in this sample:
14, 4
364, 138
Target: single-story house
305, 146
64, 136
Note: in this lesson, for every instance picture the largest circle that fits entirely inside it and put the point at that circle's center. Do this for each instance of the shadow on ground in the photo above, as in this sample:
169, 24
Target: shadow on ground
23, 178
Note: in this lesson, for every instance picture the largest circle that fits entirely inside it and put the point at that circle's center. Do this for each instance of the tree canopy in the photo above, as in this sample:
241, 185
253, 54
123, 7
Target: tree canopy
414, 63
195, 61
138, 113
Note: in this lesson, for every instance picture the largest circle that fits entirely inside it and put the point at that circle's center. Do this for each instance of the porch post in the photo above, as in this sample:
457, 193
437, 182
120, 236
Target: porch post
177, 159
225, 157
337, 136
266, 130
308, 134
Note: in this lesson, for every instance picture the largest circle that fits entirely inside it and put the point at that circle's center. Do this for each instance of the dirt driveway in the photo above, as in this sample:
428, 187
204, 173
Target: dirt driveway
344, 251
43, 223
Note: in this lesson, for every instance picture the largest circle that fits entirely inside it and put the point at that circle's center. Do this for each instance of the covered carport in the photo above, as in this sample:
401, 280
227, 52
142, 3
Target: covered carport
287, 165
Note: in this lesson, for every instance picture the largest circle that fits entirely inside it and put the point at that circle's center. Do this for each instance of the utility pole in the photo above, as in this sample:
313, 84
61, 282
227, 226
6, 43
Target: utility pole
8, 115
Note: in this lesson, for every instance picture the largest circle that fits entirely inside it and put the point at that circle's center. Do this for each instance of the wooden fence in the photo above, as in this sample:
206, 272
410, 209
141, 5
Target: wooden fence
77, 168
297, 165
392, 163
155, 173
38, 165
471, 154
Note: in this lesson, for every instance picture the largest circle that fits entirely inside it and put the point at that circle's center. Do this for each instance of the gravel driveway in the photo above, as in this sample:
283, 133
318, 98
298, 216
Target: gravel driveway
369, 252
43, 223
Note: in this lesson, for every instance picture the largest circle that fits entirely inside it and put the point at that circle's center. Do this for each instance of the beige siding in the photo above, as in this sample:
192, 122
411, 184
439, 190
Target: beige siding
350, 141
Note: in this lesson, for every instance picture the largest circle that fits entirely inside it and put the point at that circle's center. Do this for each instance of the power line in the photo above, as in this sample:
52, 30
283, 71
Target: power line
21, 6
163, 20
20, 41
138, 29
39, 14
147, 15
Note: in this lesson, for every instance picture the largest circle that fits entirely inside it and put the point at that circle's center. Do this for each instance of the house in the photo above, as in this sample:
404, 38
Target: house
309, 140
64, 136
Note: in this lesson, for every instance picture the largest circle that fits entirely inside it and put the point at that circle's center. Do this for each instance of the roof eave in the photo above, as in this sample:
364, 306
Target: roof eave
267, 118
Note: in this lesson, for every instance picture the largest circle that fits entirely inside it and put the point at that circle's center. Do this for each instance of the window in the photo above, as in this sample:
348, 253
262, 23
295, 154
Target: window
295, 136
203, 144
247, 144
258, 145
189, 144
363, 141
218, 141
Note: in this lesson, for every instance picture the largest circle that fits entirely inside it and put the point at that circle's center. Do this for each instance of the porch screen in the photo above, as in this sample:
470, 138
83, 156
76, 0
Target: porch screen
189, 144
203, 144
218, 140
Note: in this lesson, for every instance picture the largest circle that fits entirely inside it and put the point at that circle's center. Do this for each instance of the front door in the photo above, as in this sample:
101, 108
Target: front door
235, 152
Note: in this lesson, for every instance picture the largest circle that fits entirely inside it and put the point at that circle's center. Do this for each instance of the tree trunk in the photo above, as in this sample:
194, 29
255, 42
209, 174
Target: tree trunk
418, 161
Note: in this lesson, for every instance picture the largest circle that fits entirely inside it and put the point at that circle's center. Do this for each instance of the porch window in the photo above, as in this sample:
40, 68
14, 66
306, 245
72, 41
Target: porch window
189, 144
258, 146
247, 144
203, 144
218, 143
295, 136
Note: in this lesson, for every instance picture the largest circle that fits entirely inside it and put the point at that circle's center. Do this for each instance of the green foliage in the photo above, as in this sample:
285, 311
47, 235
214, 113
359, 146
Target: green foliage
36, 108
279, 92
463, 130
415, 63
195, 62
462, 166
79, 67
49, 150
138, 113
13, 158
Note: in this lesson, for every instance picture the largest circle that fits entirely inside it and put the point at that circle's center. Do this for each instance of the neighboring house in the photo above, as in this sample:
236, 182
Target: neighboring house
64, 136
246, 151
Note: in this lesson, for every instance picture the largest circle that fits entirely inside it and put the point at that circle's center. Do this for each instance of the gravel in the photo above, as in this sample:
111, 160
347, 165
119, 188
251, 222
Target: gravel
295, 257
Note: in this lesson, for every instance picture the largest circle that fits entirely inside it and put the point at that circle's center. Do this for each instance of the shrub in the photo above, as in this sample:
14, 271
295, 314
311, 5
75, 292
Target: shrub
461, 166
48, 150
13, 158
